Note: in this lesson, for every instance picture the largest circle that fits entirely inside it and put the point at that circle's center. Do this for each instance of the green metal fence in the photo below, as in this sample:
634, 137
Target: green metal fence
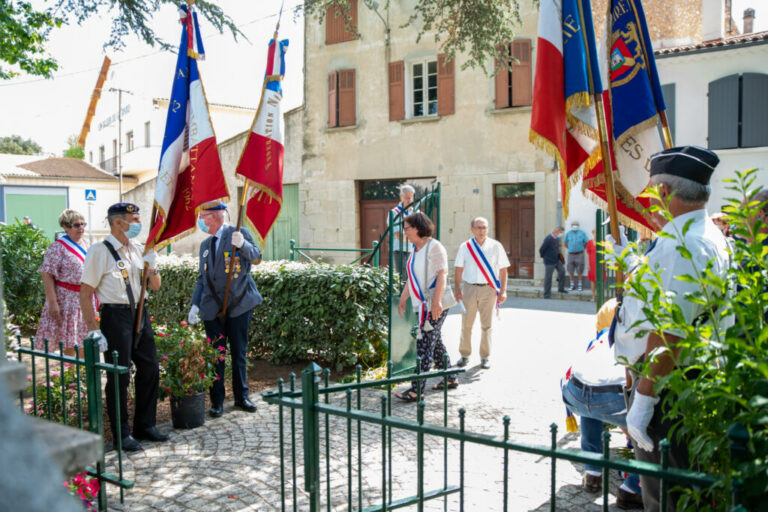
605, 278
91, 369
313, 402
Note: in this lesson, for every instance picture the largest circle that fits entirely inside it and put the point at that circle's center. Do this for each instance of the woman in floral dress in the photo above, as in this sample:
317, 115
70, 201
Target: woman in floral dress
62, 268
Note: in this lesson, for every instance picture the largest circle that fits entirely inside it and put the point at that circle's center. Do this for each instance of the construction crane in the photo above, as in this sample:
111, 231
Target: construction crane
94, 101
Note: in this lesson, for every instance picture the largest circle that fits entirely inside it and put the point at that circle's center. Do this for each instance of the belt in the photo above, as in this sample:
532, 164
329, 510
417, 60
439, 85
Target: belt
611, 388
68, 286
576, 252
116, 306
475, 284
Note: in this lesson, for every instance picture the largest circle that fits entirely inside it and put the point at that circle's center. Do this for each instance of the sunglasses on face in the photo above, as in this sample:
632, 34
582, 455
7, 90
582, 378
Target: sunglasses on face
79, 225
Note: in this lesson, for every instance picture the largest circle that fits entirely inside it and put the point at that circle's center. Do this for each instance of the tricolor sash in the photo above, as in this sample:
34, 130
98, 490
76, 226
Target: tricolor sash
72, 247
415, 287
485, 267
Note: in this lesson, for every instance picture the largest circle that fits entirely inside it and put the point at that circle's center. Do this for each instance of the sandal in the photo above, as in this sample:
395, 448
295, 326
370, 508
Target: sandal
407, 396
452, 384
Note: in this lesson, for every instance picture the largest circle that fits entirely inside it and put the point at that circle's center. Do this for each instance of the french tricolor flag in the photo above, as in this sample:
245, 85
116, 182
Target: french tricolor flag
190, 171
261, 162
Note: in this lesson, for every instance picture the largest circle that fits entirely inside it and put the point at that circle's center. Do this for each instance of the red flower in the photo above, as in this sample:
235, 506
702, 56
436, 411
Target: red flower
167, 391
202, 375
218, 378
184, 323
151, 319
163, 359
161, 335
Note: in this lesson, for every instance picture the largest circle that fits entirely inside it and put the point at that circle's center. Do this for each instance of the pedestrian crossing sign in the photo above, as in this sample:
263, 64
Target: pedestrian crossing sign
90, 194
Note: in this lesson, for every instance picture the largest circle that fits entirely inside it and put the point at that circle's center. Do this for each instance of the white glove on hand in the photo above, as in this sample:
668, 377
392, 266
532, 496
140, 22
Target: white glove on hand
100, 337
151, 259
638, 418
193, 316
238, 239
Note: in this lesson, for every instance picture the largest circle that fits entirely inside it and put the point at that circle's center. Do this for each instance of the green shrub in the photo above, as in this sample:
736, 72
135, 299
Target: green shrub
56, 380
22, 249
337, 314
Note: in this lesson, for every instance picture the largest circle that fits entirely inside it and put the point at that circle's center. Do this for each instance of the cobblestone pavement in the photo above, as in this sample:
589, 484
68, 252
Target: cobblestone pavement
233, 463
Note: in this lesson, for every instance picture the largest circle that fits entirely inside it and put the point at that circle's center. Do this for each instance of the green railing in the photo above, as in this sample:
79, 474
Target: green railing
299, 251
313, 409
605, 278
92, 370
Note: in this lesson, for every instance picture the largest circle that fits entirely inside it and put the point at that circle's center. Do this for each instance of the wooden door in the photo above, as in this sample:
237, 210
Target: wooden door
514, 229
373, 222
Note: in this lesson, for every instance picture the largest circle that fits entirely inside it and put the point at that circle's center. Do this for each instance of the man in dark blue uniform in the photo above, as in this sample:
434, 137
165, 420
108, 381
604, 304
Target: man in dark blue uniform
208, 299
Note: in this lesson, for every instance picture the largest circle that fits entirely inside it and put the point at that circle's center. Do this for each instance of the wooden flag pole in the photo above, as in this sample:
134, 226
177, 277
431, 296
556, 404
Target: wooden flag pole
231, 271
602, 128
144, 281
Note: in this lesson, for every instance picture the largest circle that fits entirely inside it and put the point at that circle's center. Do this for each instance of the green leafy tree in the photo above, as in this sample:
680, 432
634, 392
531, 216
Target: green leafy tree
15, 145
26, 28
74, 150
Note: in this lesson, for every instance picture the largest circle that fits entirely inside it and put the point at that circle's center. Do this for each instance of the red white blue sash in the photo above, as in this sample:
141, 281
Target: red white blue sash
415, 289
72, 247
485, 266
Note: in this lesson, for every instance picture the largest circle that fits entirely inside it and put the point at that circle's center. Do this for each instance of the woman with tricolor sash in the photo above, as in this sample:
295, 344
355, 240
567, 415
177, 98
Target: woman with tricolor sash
427, 269
62, 268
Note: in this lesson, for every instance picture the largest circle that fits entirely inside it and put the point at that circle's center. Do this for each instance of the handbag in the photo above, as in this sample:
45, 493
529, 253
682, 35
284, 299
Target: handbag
449, 300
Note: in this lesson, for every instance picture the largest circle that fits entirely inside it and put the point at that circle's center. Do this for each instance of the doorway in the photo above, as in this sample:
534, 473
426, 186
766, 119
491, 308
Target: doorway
515, 223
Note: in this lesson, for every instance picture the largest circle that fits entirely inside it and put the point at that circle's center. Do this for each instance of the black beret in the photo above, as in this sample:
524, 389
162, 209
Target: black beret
691, 162
214, 205
119, 208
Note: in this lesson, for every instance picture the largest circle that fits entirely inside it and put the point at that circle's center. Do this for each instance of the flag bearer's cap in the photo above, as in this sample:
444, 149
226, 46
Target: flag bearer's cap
214, 205
690, 162
119, 208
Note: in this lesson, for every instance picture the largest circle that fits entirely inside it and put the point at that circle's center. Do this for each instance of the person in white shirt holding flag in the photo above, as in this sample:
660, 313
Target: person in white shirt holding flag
480, 281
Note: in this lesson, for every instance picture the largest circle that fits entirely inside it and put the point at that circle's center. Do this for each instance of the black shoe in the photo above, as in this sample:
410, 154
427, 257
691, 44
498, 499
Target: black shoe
626, 500
592, 483
246, 405
216, 411
150, 434
562, 291
129, 444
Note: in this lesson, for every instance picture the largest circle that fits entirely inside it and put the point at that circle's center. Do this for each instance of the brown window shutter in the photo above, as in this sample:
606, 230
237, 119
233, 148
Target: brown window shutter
445, 85
335, 26
333, 103
351, 36
501, 83
396, 91
346, 97
522, 87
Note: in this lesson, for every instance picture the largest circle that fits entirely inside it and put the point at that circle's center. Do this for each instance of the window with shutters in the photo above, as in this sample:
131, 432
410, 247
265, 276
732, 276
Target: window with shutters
424, 88
341, 98
428, 88
513, 83
336, 27
738, 111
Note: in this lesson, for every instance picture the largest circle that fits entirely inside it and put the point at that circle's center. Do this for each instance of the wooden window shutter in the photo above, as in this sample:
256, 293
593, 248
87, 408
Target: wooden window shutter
333, 103
346, 97
445, 85
335, 26
396, 91
522, 83
754, 110
501, 83
724, 113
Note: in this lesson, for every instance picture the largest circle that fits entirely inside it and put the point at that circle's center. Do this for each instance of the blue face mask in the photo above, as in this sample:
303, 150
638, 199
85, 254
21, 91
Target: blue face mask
202, 226
133, 230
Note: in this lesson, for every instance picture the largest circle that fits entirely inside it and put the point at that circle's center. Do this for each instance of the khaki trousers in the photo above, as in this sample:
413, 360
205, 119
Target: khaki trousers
480, 299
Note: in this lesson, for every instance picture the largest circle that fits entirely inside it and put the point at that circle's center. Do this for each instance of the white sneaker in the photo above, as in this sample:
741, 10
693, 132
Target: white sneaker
579, 286
571, 288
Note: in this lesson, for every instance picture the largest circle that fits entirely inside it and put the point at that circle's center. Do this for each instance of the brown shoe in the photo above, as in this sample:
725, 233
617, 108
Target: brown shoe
626, 500
592, 483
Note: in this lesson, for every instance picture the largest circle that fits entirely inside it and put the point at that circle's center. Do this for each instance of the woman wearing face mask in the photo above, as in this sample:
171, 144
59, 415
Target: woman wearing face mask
61, 319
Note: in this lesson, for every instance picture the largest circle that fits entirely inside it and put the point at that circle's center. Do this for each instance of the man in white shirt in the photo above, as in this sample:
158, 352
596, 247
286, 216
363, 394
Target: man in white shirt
480, 282
401, 249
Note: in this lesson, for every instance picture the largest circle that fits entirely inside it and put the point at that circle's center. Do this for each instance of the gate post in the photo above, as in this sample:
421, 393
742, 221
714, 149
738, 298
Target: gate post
310, 377
293, 250
95, 411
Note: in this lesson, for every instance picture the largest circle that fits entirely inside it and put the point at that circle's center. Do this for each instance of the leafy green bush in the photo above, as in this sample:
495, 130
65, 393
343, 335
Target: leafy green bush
722, 411
22, 249
337, 314
55, 382
187, 360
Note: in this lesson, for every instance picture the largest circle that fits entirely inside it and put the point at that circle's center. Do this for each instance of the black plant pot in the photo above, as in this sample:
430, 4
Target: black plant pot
188, 411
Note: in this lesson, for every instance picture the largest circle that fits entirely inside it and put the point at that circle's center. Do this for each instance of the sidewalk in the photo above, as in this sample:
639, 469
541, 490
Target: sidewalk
232, 463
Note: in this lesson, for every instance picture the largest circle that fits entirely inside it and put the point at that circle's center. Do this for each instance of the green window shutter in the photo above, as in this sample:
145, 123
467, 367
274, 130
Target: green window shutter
754, 110
668, 90
277, 244
724, 113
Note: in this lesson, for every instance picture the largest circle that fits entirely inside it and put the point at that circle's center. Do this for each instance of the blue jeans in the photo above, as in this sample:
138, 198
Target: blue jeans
594, 409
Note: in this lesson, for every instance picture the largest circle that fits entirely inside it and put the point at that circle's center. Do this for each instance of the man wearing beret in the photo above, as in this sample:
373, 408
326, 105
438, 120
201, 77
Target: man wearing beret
682, 175
113, 271
208, 299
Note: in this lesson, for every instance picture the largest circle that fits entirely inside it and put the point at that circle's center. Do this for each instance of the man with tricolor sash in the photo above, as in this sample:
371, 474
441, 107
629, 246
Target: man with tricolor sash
480, 282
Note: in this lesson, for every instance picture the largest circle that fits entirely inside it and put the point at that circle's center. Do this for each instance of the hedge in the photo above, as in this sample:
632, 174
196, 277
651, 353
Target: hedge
333, 313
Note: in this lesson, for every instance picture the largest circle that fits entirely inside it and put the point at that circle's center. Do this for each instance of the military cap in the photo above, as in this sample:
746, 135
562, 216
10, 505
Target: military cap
120, 208
690, 162
214, 205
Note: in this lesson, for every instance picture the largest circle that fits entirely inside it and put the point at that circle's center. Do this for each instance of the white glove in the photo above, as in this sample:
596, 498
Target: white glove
100, 337
151, 259
238, 239
618, 248
638, 418
193, 316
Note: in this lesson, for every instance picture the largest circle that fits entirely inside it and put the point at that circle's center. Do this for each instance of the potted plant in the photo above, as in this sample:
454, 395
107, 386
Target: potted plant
187, 369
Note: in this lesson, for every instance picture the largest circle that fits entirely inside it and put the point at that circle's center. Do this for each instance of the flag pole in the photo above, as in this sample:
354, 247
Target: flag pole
144, 279
241, 210
602, 128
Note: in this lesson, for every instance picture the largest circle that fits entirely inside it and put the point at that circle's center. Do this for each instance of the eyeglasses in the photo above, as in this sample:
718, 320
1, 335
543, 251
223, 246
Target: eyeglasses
407, 227
79, 225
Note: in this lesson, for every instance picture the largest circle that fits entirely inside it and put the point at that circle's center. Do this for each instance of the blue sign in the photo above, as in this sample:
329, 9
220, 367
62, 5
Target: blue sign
90, 194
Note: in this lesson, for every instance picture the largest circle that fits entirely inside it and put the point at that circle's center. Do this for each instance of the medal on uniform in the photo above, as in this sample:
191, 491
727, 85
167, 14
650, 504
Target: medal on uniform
226, 264
123, 268
205, 254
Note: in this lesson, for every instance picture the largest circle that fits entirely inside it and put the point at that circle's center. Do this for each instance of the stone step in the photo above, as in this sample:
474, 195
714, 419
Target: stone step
72, 449
537, 292
14, 374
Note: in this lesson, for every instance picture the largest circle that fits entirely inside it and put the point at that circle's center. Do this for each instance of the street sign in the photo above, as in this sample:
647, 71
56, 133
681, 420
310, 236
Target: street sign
90, 194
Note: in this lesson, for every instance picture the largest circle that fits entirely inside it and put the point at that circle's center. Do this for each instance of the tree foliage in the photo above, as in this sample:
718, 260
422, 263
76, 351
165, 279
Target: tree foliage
26, 29
15, 145
74, 150
471, 27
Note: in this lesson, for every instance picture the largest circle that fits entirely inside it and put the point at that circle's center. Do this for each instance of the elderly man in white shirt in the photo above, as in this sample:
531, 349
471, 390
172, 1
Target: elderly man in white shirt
682, 175
480, 282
